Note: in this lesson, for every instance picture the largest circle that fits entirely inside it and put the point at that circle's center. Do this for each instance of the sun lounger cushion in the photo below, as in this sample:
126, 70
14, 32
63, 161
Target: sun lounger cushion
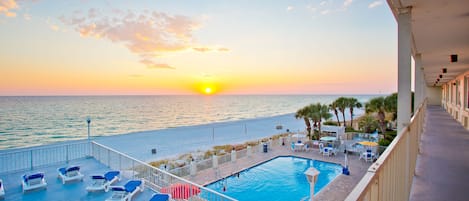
33, 178
160, 197
110, 175
132, 185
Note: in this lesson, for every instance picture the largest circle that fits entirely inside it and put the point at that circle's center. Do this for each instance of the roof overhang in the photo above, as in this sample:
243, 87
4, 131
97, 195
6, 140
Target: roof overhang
440, 28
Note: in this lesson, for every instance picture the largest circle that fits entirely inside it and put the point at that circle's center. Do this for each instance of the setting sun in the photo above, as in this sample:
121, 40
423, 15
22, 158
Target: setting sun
208, 90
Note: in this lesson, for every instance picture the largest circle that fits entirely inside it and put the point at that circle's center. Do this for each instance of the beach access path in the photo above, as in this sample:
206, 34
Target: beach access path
172, 142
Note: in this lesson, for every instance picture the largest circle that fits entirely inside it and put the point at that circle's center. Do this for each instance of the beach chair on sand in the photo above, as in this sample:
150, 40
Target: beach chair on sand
70, 174
103, 182
33, 181
2, 190
161, 197
126, 192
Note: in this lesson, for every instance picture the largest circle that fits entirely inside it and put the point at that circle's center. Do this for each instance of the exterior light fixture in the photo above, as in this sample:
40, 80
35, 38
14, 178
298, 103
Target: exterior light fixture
454, 58
441, 76
444, 70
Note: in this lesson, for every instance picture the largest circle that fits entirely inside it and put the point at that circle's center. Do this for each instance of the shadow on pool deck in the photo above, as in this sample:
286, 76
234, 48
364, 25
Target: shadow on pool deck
57, 191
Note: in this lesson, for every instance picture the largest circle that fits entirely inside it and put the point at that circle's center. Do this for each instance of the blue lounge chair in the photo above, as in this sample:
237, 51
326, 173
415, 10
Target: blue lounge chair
33, 181
70, 174
161, 197
2, 190
102, 182
126, 192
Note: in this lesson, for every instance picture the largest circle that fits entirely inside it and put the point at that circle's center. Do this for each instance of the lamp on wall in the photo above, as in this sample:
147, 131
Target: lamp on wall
444, 70
454, 83
441, 76
454, 58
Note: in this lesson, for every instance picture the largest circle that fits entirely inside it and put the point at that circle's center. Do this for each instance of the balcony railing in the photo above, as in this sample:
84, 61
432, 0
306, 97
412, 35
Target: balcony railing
30, 158
154, 178
390, 177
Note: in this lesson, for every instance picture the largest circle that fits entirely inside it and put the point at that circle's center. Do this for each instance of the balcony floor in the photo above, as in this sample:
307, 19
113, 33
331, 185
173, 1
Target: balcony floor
442, 170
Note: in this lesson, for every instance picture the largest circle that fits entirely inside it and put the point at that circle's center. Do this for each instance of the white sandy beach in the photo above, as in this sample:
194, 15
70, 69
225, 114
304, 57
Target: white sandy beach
175, 141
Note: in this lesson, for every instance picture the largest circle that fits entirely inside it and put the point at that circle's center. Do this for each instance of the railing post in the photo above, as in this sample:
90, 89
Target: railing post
215, 161
109, 158
31, 155
233, 155
66, 154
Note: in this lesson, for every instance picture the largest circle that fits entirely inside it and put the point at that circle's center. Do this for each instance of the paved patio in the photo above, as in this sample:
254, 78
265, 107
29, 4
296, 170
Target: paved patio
338, 189
443, 164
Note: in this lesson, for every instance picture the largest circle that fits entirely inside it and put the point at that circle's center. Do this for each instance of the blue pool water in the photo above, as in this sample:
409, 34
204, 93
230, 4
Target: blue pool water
281, 179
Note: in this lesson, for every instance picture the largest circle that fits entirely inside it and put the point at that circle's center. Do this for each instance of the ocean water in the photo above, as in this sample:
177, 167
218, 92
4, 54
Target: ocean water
31, 121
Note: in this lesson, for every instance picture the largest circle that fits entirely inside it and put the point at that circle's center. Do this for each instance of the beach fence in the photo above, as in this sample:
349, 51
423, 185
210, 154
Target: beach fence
155, 178
31, 158
194, 167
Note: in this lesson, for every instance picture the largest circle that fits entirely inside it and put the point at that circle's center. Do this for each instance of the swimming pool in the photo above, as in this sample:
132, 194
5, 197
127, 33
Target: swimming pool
281, 179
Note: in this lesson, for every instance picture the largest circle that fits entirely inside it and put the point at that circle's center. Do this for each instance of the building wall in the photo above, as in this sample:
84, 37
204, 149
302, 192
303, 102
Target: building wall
454, 98
433, 95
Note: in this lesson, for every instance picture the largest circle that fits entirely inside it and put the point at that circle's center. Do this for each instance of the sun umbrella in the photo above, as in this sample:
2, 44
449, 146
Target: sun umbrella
328, 138
181, 191
368, 143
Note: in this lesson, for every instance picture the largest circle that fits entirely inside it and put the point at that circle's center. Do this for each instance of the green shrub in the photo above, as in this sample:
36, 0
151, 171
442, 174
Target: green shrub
384, 142
330, 123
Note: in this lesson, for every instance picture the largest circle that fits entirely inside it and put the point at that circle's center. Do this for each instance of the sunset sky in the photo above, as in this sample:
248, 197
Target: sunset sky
126, 47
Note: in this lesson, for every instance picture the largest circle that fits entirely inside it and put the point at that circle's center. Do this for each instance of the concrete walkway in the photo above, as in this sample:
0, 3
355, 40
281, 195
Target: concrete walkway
442, 171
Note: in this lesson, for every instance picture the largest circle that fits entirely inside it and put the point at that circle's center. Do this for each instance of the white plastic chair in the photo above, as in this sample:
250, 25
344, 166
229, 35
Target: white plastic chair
321, 148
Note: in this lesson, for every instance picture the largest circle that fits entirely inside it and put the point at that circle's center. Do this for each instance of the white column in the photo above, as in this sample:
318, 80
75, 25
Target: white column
249, 151
419, 81
404, 36
233, 156
215, 161
193, 168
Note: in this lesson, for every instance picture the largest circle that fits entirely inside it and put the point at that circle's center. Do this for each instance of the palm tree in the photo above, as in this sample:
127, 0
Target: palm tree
341, 104
323, 113
377, 105
368, 124
304, 113
353, 103
333, 107
390, 105
318, 113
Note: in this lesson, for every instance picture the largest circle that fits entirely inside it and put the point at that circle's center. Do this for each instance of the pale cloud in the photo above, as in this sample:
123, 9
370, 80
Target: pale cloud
375, 4
148, 34
202, 49
152, 65
347, 3
6, 7
51, 25
26, 17
290, 8
208, 49
323, 3
325, 12
223, 49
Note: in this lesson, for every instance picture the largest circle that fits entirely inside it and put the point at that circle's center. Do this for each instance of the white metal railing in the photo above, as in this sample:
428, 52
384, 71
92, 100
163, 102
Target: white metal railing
390, 177
30, 158
154, 178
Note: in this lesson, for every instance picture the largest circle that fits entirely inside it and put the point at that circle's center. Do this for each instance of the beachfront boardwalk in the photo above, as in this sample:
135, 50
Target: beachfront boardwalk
338, 189
443, 163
